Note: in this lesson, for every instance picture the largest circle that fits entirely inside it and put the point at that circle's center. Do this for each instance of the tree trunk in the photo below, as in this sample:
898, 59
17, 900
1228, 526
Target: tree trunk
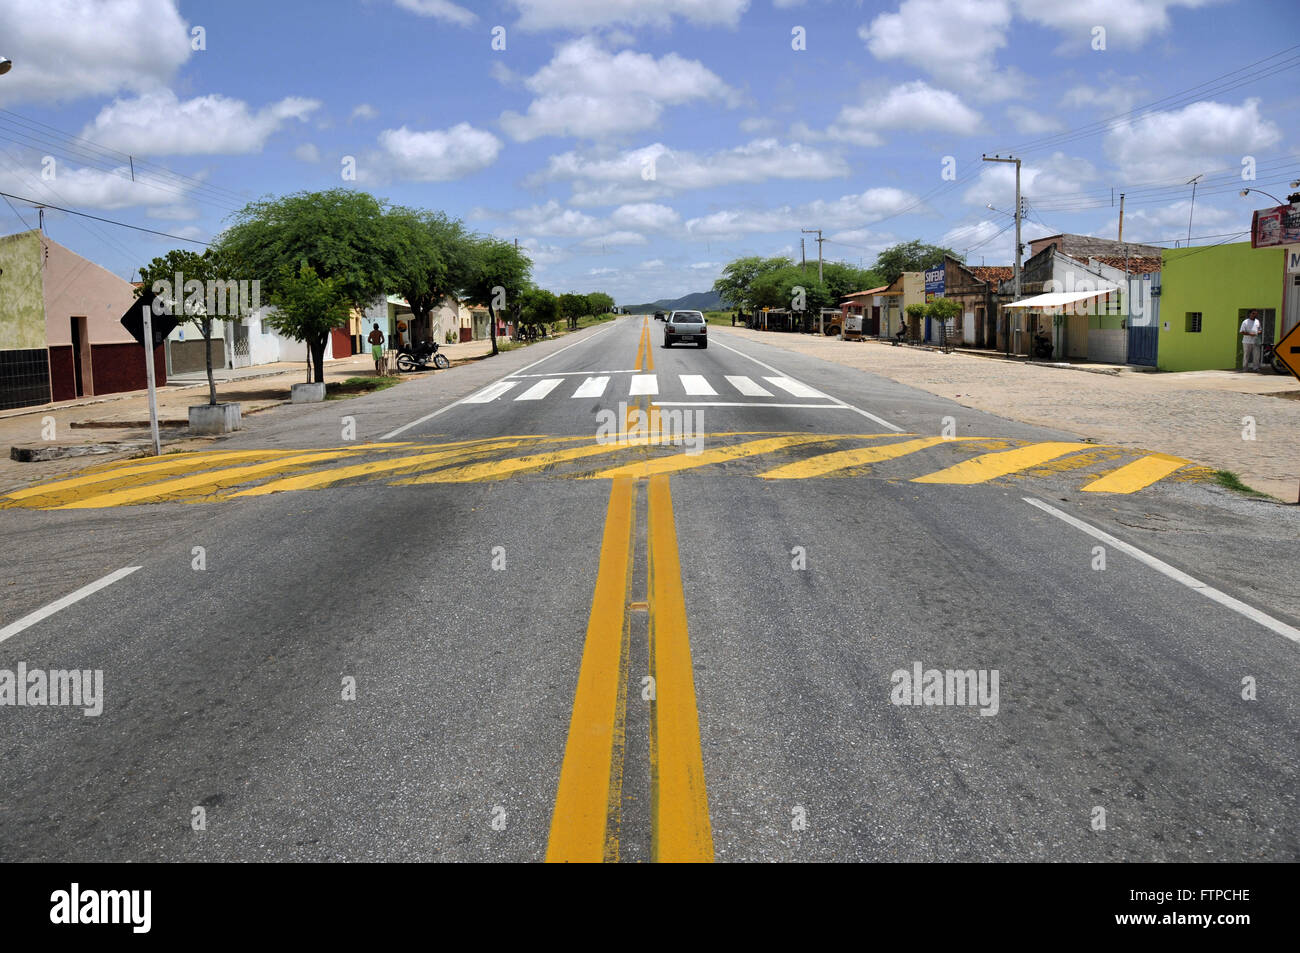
206, 327
492, 328
318, 356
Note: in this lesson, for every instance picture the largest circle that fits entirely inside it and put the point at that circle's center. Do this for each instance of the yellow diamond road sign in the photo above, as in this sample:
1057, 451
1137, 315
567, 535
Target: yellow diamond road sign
1288, 351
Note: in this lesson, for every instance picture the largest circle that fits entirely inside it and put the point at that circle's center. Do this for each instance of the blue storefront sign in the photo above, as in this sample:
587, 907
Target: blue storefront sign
934, 283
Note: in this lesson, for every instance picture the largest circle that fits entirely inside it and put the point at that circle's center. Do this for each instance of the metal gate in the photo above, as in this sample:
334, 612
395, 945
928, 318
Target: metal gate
1142, 342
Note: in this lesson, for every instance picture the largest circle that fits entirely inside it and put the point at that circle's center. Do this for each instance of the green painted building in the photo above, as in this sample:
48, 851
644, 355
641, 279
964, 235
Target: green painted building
1205, 294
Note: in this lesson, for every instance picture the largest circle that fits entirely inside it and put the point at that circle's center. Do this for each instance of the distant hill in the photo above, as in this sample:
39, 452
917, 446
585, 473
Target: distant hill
699, 301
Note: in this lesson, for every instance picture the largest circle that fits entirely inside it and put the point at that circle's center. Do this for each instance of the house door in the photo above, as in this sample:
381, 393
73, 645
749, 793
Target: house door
83, 375
874, 327
1142, 342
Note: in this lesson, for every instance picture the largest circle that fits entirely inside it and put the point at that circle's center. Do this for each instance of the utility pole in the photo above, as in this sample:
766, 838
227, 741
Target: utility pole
1121, 217
803, 255
1016, 275
818, 232
1192, 182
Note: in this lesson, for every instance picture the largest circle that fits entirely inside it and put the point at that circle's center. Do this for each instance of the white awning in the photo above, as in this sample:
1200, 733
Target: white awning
1055, 299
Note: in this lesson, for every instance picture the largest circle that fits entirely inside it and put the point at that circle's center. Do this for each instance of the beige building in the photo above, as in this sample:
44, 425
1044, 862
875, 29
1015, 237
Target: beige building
61, 335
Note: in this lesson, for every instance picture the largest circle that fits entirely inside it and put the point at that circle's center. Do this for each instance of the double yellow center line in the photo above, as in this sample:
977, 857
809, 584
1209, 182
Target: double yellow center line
588, 797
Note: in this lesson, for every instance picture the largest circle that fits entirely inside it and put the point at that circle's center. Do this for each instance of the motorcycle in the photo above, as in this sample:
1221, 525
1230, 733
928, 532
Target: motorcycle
418, 357
1270, 359
1043, 345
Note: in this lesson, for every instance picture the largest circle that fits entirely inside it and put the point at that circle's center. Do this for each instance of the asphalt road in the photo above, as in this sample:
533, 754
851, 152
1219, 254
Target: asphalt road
631, 651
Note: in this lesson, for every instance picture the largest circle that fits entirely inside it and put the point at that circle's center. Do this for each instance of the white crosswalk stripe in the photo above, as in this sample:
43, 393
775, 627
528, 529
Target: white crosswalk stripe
748, 386
793, 387
592, 387
649, 385
644, 384
696, 385
541, 389
490, 393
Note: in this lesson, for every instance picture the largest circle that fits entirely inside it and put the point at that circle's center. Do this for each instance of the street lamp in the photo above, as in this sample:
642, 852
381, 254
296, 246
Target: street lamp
6, 64
1246, 192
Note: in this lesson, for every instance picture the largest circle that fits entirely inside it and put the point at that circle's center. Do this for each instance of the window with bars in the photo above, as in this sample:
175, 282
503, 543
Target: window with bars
1193, 322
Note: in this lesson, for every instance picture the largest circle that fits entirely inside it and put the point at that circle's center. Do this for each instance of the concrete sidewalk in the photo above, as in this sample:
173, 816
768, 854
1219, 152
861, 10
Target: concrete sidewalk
1204, 416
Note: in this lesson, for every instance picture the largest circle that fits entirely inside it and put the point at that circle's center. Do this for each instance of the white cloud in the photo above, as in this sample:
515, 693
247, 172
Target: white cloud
1033, 122
555, 220
1040, 180
588, 92
551, 219
618, 238
646, 216
1181, 143
439, 9
95, 188
307, 152
653, 171
1170, 221
66, 49
847, 211
363, 111
584, 14
955, 41
916, 106
157, 123
1119, 94
438, 155
174, 213
757, 124
1128, 23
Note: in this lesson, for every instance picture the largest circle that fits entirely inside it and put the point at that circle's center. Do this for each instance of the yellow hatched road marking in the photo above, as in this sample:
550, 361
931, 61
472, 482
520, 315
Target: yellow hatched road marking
322, 478
1138, 475
689, 461
990, 465
497, 469
174, 464
680, 828
212, 478
858, 456
578, 825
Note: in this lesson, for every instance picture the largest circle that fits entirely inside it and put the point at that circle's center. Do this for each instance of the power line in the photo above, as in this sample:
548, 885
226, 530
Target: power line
109, 221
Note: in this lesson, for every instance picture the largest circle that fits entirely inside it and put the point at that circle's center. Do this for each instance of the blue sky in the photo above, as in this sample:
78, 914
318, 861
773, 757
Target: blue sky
636, 146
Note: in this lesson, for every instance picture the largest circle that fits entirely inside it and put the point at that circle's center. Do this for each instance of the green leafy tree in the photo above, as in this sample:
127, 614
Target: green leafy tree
431, 258
599, 303
943, 310
539, 308
790, 288
191, 265
842, 280
735, 286
909, 256
340, 234
307, 306
497, 274
573, 307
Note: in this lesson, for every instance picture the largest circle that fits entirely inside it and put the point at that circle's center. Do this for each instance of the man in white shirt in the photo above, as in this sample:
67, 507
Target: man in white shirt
1250, 342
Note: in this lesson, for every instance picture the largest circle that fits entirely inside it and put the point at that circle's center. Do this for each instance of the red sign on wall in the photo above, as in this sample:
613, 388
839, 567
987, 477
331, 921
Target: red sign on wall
1276, 226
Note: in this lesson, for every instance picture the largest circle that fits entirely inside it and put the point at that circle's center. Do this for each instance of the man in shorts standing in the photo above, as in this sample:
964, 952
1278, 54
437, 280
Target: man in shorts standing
376, 340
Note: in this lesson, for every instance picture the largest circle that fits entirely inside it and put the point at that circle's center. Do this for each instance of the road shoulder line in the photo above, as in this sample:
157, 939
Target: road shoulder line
1191, 582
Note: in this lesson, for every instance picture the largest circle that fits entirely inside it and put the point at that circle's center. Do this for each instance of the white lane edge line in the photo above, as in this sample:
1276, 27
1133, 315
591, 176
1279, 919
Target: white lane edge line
457, 403
32, 618
845, 404
1191, 582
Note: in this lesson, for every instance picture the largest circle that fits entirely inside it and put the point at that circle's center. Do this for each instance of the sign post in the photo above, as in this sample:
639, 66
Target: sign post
146, 312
